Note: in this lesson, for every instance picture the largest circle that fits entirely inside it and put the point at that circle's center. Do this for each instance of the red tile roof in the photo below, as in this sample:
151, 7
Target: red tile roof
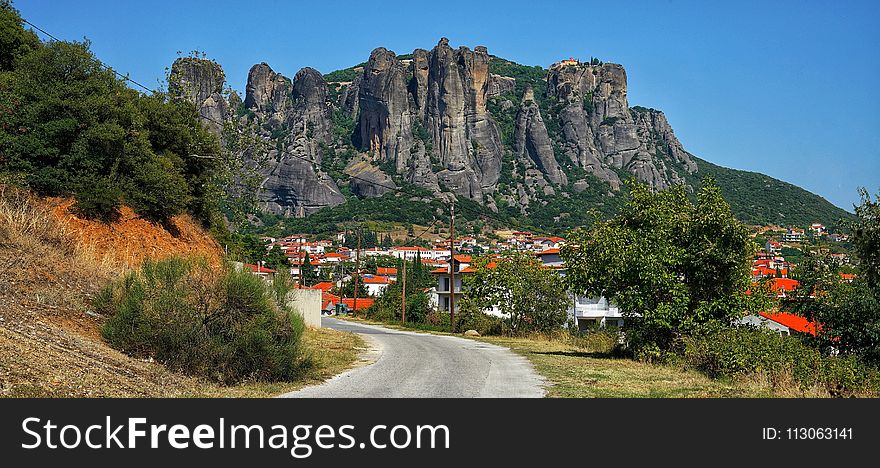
784, 284
793, 322
549, 252
386, 271
362, 303
376, 280
323, 286
259, 269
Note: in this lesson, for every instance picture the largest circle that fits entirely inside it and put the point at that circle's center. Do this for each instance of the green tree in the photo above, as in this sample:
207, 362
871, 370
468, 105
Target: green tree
849, 313
309, 273
674, 267
866, 238
531, 297
68, 121
277, 260
347, 289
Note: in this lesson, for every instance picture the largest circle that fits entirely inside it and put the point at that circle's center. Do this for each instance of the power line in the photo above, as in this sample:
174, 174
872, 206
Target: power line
120, 75
394, 188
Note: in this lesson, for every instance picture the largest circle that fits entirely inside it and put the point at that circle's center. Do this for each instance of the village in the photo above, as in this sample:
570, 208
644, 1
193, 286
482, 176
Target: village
328, 265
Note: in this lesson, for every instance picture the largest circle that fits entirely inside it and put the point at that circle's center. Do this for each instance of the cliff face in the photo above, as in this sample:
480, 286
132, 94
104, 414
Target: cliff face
434, 119
430, 112
600, 132
291, 120
201, 82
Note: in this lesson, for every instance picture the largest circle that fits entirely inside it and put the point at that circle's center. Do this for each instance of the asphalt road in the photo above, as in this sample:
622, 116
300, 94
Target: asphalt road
419, 365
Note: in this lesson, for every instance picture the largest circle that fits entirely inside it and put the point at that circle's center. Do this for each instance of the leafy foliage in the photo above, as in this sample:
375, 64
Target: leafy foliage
849, 312
70, 122
228, 326
673, 267
746, 351
529, 296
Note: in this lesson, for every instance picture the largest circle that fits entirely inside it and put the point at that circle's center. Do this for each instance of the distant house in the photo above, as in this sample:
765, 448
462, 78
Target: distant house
783, 287
390, 273
596, 311
362, 303
325, 286
817, 229
794, 235
848, 277
410, 253
794, 323
375, 284
443, 291
764, 322
261, 271
586, 311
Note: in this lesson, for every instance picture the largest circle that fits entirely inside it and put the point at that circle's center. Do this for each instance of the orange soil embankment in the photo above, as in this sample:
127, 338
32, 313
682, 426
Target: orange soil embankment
52, 266
130, 240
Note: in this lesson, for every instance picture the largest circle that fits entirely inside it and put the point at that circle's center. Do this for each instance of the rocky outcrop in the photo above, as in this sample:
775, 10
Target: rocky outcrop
201, 82
292, 187
294, 182
499, 85
425, 120
385, 123
367, 180
267, 93
532, 144
600, 132
466, 139
430, 113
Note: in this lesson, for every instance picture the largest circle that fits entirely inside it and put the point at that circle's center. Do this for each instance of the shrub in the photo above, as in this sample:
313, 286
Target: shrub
226, 325
747, 351
99, 200
470, 317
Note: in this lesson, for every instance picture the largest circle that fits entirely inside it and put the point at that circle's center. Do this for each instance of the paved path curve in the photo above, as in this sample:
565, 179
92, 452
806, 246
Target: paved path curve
419, 365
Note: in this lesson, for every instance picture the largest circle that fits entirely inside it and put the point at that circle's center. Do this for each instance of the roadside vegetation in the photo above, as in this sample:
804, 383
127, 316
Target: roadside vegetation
102, 189
226, 325
679, 267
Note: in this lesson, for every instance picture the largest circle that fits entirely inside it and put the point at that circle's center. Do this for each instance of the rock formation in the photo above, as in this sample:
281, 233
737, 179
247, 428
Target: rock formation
425, 120
532, 143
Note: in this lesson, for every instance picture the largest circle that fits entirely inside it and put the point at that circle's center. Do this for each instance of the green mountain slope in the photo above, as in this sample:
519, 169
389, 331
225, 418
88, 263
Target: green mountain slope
760, 199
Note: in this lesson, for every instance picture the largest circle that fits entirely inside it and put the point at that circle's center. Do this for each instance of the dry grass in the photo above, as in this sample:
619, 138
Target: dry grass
51, 267
584, 367
333, 352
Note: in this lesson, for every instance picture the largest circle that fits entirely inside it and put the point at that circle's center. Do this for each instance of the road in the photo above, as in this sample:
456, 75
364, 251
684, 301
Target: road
419, 365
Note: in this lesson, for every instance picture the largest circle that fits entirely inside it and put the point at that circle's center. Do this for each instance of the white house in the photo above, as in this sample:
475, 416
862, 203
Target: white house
409, 253
375, 284
595, 311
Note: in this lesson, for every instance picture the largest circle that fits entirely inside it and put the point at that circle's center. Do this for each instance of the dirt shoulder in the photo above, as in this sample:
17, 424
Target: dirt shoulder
52, 265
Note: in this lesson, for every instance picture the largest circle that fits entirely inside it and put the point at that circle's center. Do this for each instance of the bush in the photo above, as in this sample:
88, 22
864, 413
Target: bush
99, 200
470, 317
226, 325
747, 351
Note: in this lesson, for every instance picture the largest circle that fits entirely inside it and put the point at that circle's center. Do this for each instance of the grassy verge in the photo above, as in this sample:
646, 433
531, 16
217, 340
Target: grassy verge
581, 368
575, 371
333, 352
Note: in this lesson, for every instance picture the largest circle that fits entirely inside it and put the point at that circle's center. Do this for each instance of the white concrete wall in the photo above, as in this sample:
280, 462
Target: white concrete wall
307, 302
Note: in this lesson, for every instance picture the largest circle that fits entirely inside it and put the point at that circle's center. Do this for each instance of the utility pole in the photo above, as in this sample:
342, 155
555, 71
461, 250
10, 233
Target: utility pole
403, 296
299, 261
452, 267
357, 271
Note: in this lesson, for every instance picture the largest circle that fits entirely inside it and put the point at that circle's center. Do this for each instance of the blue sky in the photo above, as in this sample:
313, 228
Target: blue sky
787, 88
